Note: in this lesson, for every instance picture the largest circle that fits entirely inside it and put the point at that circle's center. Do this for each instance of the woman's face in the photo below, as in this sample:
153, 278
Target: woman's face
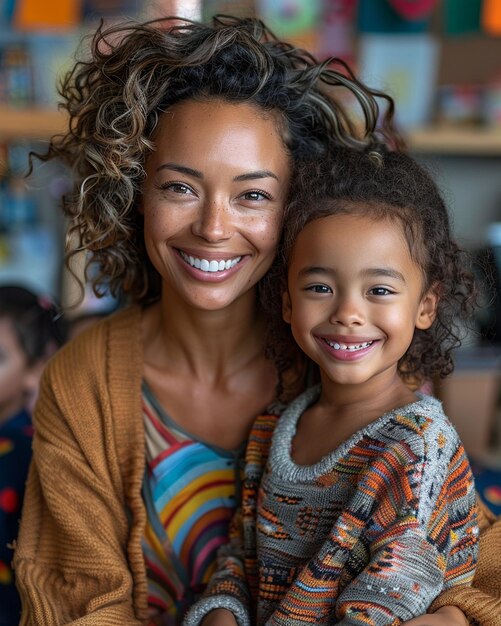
213, 200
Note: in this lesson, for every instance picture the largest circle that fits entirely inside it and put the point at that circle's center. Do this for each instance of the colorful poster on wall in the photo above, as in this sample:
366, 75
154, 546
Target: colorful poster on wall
52, 14
462, 17
337, 32
296, 21
239, 8
379, 16
491, 17
406, 68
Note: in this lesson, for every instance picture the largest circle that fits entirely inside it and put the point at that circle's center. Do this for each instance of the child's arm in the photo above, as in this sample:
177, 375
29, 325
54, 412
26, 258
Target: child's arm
480, 603
227, 599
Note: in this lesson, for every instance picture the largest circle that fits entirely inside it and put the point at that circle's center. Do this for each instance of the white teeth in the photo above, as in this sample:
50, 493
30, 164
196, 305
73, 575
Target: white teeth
351, 347
209, 266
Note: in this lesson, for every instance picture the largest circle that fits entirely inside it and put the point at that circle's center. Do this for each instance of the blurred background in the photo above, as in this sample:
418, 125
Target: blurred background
441, 61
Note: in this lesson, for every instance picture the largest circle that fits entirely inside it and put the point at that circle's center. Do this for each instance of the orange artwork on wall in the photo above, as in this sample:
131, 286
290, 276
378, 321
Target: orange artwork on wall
491, 17
50, 14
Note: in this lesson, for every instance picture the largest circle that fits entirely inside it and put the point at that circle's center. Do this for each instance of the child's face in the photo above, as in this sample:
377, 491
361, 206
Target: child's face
14, 371
355, 297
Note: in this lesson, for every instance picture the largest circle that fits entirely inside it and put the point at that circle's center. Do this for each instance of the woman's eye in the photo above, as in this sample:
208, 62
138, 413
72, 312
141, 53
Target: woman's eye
180, 188
256, 196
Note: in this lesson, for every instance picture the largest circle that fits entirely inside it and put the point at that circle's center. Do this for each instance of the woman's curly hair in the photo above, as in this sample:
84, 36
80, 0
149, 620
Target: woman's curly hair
134, 73
380, 184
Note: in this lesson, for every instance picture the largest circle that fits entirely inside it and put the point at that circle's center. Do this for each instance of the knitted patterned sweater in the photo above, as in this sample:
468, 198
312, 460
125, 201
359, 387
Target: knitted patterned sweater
369, 535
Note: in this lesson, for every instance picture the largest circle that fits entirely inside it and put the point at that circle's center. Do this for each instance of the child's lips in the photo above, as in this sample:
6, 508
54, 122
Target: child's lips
350, 346
341, 349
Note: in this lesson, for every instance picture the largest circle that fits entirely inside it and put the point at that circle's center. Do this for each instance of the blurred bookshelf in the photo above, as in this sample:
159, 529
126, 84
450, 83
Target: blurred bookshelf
448, 140
35, 123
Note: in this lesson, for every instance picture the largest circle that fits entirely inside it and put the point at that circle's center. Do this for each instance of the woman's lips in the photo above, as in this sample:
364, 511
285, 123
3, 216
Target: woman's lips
210, 269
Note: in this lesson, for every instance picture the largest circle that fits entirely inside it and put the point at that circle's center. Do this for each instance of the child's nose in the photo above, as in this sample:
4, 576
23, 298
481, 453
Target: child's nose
348, 311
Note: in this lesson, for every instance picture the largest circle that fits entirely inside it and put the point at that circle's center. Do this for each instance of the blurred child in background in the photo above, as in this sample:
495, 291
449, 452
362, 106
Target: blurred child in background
30, 332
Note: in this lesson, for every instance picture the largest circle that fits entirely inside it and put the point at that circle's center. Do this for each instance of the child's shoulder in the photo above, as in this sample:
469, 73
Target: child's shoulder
426, 419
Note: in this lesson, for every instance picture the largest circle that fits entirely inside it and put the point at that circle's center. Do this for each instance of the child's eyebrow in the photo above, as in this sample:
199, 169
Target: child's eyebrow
385, 271
314, 269
370, 272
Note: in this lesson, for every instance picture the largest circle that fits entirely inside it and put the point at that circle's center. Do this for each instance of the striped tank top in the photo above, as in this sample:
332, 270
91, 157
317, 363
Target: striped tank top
190, 491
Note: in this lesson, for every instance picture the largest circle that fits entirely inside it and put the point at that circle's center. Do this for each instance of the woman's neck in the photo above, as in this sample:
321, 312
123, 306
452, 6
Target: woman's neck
204, 344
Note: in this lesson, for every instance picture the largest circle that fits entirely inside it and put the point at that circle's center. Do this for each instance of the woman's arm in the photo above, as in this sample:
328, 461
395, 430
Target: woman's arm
73, 562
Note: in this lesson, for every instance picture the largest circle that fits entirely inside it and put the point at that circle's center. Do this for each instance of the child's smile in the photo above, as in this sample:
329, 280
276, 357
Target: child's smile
346, 349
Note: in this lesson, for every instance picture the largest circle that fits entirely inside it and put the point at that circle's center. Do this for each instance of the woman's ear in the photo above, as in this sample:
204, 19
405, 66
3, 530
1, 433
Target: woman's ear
286, 307
427, 309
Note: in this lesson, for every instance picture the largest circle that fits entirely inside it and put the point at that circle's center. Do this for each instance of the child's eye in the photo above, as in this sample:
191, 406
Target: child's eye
381, 291
319, 289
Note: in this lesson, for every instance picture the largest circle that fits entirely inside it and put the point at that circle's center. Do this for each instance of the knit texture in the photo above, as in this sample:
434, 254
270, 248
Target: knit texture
368, 535
79, 554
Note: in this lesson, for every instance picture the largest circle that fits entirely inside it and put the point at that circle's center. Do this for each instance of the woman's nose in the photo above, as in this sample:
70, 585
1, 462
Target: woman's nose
213, 222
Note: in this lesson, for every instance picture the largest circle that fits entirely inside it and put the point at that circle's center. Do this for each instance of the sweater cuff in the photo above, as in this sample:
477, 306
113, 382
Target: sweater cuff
199, 610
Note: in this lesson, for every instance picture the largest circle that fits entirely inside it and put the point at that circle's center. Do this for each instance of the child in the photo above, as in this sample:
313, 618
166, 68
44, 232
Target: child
359, 501
29, 334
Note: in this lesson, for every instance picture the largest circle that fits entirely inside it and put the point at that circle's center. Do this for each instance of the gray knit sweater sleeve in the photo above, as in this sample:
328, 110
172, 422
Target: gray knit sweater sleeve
227, 590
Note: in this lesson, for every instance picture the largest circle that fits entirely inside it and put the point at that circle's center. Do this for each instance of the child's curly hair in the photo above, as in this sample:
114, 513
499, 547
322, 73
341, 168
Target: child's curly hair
382, 185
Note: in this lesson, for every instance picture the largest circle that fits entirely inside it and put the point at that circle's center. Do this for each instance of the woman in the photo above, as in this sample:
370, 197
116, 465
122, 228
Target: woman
182, 138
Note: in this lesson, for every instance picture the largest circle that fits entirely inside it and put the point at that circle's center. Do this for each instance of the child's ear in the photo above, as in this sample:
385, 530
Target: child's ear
286, 307
427, 309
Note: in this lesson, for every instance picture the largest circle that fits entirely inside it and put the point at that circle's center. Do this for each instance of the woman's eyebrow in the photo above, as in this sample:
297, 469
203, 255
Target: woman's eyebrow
255, 175
182, 169
189, 171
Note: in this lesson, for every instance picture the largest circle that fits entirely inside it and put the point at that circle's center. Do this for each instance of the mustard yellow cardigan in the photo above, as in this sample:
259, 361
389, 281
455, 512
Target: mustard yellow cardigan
79, 558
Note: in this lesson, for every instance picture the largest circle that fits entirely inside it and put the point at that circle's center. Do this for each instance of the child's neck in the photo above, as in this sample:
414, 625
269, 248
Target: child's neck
343, 410
372, 398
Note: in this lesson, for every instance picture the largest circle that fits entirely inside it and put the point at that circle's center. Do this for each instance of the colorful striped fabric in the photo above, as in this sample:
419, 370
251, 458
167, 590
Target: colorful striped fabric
190, 492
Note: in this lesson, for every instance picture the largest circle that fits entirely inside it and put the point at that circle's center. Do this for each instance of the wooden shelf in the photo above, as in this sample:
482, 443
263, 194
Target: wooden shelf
30, 123
455, 141
33, 123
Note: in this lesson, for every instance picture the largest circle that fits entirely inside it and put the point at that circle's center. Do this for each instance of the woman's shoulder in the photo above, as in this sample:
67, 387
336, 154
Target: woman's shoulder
109, 342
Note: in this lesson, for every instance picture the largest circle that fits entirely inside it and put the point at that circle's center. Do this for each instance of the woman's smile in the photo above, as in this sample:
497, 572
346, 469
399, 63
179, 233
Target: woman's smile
207, 267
